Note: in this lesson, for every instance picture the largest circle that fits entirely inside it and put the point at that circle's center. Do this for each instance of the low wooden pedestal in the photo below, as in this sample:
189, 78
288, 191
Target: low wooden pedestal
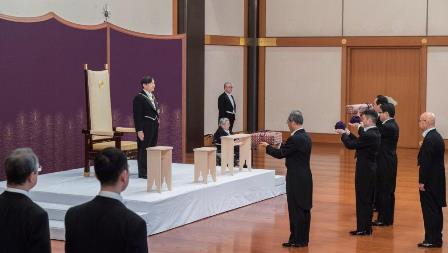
159, 160
204, 163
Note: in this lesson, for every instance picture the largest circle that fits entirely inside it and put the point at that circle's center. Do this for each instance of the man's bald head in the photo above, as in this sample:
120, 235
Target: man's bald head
427, 120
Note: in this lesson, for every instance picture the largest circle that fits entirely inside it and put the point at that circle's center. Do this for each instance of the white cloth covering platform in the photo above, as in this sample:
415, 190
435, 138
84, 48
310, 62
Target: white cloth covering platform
186, 203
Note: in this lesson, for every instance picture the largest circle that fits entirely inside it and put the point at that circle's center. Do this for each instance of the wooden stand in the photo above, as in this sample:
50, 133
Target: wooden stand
227, 151
204, 163
159, 166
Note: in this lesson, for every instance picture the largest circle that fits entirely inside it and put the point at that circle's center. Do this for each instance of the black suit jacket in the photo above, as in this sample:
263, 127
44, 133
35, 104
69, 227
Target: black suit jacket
104, 225
366, 145
144, 111
299, 180
387, 155
225, 105
23, 225
431, 160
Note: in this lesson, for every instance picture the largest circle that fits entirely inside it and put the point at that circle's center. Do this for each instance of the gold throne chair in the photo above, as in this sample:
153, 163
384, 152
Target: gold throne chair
100, 133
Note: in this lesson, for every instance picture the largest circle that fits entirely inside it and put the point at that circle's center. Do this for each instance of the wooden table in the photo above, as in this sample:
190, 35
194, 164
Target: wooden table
227, 151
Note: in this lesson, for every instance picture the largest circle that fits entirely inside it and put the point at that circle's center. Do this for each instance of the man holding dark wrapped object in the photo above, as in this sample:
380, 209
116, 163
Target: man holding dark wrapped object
367, 146
355, 110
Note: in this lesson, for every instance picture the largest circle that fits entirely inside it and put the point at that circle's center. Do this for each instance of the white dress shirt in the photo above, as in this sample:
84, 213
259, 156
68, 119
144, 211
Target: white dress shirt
367, 128
231, 101
111, 195
296, 131
427, 131
384, 122
15, 190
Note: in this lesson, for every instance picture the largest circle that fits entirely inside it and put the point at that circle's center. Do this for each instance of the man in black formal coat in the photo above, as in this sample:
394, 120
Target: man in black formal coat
24, 225
377, 102
227, 104
105, 224
432, 185
146, 122
367, 146
299, 180
387, 165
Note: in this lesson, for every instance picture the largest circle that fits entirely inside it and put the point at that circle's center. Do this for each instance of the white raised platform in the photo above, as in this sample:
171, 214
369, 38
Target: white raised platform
186, 203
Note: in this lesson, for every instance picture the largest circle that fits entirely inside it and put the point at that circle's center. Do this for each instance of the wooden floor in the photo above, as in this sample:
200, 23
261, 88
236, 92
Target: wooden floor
263, 226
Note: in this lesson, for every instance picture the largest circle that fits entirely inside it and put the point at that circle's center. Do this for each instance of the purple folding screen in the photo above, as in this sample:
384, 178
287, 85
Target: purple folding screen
131, 58
42, 97
42, 100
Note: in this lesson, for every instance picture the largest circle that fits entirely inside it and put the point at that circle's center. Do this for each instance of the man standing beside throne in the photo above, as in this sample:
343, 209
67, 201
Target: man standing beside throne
146, 122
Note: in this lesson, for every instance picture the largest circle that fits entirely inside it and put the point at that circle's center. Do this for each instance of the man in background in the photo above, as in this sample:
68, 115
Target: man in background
227, 105
432, 185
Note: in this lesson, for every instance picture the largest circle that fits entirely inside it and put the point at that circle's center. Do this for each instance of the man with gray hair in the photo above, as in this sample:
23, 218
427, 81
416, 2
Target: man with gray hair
224, 130
432, 185
23, 225
299, 180
227, 104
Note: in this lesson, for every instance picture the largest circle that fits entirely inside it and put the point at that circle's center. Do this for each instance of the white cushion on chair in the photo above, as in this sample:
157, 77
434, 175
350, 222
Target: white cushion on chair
125, 145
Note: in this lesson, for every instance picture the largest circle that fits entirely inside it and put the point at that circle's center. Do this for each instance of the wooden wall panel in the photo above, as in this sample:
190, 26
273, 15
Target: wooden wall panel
437, 17
224, 17
146, 16
223, 63
303, 18
308, 79
384, 17
437, 87
389, 71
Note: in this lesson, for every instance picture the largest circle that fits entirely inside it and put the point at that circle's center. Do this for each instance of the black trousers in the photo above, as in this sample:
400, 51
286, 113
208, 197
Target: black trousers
364, 188
299, 221
151, 131
386, 183
432, 217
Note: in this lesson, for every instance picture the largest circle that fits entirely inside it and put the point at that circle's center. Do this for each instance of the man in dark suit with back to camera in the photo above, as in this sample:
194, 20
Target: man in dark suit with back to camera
146, 122
367, 146
105, 224
387, 165
24, 225
299, 180
432, 185
227, 104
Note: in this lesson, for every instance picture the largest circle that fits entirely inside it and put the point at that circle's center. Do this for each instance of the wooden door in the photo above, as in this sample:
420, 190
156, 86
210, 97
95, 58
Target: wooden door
392, 72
